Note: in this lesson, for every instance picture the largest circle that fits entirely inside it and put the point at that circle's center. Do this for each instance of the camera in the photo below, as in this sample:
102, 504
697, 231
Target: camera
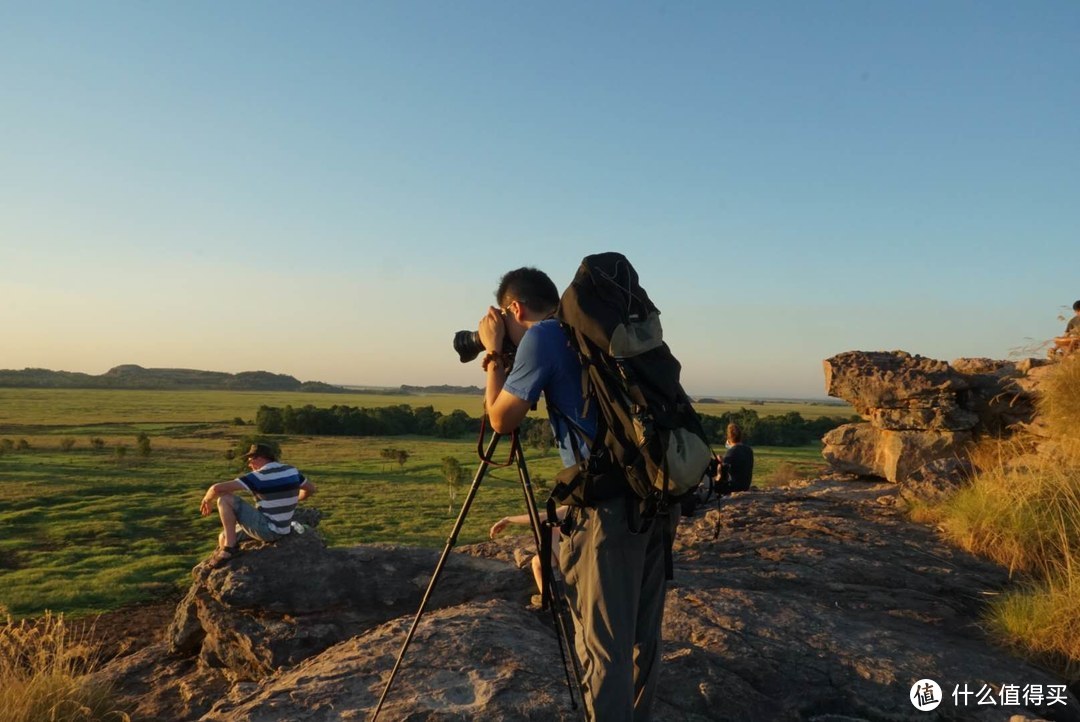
468, 346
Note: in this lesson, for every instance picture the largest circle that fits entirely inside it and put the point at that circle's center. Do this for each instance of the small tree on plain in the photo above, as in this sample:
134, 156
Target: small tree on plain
388, 455
23, 445
451, 469
67, 443
142, 443
401, 456
120, 451
97, 443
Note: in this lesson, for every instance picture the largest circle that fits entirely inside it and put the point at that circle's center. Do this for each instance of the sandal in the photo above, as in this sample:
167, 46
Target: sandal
222, 555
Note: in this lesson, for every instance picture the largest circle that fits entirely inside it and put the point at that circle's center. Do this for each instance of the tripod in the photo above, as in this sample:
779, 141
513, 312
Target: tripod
551, 597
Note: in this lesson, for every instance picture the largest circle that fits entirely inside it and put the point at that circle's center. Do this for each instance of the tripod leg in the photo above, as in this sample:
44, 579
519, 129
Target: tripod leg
550, 594
439, 567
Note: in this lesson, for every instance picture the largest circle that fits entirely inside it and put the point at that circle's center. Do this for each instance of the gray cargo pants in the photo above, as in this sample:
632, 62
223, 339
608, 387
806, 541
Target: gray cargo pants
615, 588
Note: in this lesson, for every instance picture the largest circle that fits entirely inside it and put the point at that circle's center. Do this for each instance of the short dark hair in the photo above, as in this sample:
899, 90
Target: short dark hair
734, 433
1076, 306
530, 287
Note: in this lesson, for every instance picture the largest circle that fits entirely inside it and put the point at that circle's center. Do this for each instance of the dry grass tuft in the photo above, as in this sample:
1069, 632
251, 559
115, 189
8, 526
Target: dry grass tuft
1043, 623
1059, 406
45, 674
1026, 517
1023, 510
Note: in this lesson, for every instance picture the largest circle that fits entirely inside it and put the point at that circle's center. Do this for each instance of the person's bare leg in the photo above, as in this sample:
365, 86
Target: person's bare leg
228, 519
538, 577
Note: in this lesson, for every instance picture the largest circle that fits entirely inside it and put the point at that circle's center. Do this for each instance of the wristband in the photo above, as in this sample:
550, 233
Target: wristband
492, 356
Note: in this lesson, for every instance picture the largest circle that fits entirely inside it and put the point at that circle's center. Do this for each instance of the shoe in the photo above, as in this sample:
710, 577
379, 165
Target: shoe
222, 555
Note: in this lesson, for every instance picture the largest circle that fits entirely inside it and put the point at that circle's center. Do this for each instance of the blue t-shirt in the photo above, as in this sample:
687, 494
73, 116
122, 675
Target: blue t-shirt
545, 362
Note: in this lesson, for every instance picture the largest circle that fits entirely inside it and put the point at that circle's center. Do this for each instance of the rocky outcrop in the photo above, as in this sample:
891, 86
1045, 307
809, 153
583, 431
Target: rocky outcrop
921, 415
819, 601
276, 605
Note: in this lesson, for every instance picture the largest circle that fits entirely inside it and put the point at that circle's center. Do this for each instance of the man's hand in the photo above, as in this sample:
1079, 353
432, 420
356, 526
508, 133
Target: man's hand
492, 330
207, 505
498, 527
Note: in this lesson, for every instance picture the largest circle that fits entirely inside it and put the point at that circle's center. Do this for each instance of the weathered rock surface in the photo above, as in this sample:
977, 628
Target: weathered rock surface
922, 415
891, 380
276, 605
819, 601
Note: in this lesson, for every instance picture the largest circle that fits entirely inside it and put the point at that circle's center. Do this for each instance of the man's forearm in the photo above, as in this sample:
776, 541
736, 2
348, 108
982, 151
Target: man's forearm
496, 379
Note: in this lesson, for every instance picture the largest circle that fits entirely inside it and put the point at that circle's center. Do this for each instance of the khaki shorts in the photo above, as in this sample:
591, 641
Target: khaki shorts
253, 522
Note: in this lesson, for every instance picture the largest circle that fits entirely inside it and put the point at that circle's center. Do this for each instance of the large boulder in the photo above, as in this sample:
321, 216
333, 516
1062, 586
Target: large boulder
278, 604
867, 450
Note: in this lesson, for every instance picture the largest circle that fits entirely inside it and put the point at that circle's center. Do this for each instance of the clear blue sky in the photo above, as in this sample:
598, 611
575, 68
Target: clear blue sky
330, 190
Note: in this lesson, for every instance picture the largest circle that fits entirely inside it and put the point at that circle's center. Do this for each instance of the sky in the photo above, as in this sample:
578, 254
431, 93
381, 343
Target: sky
330, 190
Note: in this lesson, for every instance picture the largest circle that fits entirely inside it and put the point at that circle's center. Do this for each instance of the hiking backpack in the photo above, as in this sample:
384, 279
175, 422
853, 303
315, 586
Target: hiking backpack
648, 434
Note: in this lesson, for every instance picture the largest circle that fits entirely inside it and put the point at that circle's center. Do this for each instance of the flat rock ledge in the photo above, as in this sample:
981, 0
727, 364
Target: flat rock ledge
818, 601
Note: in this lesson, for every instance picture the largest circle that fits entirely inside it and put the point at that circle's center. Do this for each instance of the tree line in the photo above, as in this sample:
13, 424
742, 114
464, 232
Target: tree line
789, 429
398, 420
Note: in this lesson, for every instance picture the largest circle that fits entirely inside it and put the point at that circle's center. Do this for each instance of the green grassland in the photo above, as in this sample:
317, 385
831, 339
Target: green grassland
85, 530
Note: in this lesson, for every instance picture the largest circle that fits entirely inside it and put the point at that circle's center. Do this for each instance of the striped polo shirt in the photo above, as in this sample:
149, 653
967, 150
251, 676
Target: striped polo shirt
276, 488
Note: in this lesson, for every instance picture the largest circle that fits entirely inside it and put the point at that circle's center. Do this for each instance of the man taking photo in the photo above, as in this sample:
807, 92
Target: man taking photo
614, 576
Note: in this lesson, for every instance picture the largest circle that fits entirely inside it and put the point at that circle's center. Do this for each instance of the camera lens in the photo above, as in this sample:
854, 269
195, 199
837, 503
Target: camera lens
468, 345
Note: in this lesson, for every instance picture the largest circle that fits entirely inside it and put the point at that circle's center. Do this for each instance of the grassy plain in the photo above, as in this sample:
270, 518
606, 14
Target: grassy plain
85, 530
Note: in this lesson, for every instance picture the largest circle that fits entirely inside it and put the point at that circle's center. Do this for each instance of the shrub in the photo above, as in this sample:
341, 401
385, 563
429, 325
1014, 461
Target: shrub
7, 445
120, 451
237, 421
97, 443
44, 670
142, 443
67, 443
22, 445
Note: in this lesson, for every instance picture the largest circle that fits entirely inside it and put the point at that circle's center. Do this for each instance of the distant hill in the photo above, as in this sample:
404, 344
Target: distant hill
130, 376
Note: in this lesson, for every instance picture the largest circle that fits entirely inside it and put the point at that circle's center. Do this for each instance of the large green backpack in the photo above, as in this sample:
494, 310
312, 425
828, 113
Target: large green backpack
647, 430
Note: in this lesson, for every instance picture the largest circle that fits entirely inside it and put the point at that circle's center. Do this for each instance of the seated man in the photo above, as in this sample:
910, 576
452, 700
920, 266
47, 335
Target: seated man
1070, 341
277, 489
737, 466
